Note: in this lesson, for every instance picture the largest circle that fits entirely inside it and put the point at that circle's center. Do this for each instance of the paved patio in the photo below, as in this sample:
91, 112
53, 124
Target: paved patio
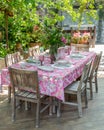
93, 116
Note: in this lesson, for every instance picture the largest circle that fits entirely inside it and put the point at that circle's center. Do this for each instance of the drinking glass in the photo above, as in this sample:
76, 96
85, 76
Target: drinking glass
47, 59
72, 49
41, 59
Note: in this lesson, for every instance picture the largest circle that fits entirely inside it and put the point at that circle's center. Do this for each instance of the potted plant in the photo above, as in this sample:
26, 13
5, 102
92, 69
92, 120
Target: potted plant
18, 39
80, 40
35, 36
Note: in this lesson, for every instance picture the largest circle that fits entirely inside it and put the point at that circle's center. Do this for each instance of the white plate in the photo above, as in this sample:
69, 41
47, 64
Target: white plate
62, 66
32, 64
63, 62
77, 56
32, 61
46, 68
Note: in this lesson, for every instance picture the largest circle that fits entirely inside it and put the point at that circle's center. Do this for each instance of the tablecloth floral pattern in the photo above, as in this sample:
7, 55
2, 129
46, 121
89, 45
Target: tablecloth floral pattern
53, 83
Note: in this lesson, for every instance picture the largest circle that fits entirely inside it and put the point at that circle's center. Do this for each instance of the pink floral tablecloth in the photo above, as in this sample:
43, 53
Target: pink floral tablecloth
53, 83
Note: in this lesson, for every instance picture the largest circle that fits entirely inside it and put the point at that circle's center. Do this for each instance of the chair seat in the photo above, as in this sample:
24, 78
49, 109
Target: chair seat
26, 94
74, 87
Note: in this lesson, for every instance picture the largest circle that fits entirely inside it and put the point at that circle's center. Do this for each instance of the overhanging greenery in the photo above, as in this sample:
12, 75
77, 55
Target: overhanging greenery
27, 13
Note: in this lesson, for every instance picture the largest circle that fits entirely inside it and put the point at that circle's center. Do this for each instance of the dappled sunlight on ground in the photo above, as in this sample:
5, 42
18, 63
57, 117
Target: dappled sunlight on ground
4, 95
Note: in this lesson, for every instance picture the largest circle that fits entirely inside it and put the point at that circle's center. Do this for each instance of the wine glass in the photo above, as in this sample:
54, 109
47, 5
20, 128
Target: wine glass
72, 50
41, 59
66, 50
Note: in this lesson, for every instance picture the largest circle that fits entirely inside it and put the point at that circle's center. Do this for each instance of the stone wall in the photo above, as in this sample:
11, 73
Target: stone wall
99, 27
100, 32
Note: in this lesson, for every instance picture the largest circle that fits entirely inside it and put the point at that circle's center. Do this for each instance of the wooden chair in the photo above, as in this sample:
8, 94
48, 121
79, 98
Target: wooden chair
12, 58
30, 51
77, 88
93, 74
26, 88
34, 52
9, 60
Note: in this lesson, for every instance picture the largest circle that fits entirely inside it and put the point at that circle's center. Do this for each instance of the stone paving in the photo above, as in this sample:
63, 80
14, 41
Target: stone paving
93, 116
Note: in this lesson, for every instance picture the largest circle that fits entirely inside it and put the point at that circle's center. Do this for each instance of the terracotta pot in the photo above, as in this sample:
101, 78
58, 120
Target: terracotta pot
18, 45
85, 42
31, 44
10, 14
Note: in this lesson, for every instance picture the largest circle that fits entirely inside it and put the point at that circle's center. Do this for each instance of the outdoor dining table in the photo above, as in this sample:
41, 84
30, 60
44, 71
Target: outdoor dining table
53, 82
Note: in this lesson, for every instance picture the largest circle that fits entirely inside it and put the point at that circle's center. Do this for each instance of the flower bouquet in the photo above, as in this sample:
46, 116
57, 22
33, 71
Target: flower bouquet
53, 38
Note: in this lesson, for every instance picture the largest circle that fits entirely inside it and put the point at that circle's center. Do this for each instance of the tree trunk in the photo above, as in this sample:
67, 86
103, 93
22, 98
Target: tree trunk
6, 28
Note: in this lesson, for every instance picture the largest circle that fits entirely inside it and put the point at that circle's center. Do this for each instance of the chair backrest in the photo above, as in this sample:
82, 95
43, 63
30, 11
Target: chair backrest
8, 60
95, 64
24, 80
85, 74
12, 58
30, 51
34, 51
18, 56
99, 58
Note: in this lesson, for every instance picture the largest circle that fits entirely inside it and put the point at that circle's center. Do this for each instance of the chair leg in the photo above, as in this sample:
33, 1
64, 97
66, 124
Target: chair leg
26, 105
59, 108
91, 89
51, 106
86, 100
14, 109
96, 84
9, 94
37, 114
79, 104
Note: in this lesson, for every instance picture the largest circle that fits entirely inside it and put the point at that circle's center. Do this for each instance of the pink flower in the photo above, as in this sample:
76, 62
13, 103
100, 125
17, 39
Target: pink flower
64, 40
87, 34
77, 34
